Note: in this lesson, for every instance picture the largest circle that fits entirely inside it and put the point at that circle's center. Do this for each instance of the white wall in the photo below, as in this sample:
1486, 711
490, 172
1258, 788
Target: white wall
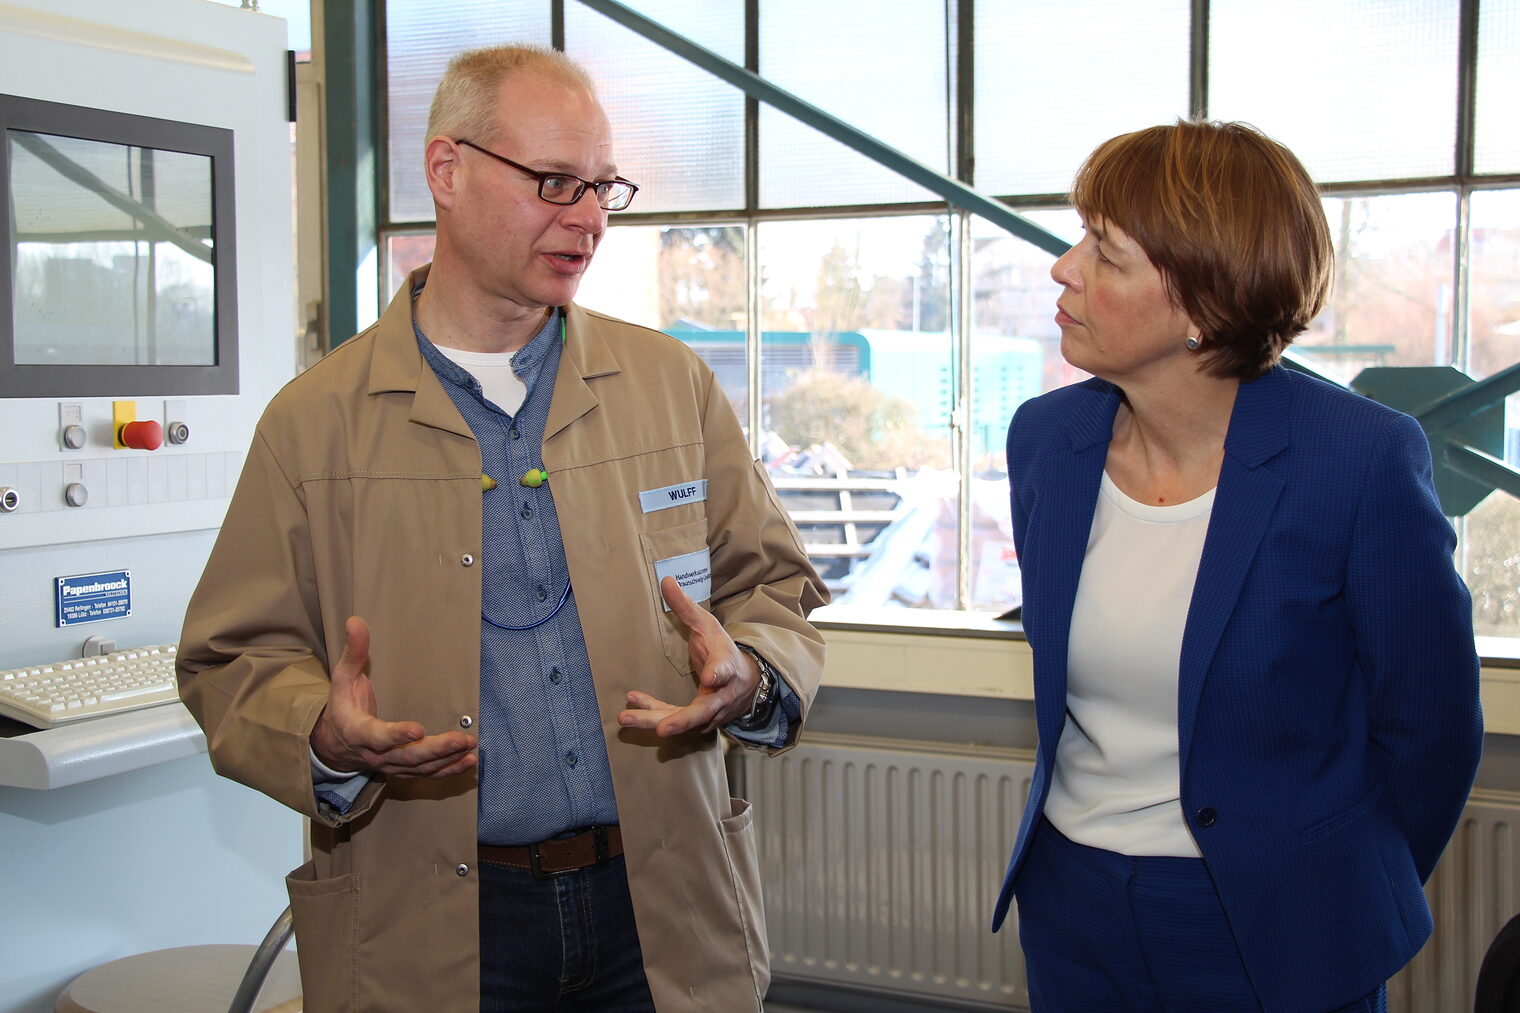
169, 855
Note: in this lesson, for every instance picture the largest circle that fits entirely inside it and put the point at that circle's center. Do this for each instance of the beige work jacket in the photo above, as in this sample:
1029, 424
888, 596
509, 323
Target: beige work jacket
362, 496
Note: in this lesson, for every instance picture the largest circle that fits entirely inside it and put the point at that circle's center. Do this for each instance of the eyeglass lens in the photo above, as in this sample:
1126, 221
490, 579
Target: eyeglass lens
612, 195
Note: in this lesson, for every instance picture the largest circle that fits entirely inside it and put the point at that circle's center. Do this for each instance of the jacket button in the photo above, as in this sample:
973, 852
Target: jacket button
462, 869
467, 560
1207, 816
466, 721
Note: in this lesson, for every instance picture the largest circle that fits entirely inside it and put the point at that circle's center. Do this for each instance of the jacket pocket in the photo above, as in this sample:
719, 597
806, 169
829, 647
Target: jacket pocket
742, 851
665, 546
1341, 817
326, 912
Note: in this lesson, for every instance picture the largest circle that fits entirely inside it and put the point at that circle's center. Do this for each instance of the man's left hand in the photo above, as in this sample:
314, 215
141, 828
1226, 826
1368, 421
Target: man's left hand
726, 676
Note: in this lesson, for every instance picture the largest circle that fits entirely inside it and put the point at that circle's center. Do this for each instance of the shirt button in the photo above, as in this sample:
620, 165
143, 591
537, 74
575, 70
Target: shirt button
462, 869
555, 675
526, 513
1207, 816
542, 593
571, 758
515, 434
466, 721
466, 560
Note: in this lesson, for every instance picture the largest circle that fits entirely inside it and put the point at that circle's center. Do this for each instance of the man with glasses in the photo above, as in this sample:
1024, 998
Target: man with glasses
497, 573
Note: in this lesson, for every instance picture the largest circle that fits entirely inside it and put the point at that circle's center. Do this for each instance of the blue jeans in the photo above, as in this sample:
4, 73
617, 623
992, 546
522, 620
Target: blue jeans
566, 943
1103, 931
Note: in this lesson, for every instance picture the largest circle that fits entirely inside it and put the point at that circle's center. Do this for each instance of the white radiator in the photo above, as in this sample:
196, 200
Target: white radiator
1475, 890
881, 865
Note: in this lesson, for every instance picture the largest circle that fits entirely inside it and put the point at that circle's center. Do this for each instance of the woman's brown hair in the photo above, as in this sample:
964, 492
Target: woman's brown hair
1232, 221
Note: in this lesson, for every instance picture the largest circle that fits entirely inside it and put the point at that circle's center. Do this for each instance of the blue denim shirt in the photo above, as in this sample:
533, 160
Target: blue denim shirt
543, 757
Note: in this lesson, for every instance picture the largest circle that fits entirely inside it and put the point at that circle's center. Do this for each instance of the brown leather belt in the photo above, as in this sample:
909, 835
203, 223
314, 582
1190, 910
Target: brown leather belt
592, 846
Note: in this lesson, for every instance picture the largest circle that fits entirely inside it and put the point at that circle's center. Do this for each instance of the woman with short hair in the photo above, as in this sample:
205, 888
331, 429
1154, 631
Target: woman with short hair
1255, 680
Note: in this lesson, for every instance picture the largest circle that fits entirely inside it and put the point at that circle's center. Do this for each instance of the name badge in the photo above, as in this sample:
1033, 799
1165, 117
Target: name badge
693, 572
673, 496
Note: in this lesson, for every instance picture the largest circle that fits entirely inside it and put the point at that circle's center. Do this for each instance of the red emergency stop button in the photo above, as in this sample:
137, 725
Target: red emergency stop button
144, 434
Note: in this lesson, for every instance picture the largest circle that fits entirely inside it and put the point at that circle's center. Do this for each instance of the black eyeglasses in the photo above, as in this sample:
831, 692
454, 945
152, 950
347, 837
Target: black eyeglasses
563, 188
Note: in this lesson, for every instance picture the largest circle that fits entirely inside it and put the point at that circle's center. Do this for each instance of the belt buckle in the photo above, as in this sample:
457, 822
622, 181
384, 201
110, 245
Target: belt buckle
599, 844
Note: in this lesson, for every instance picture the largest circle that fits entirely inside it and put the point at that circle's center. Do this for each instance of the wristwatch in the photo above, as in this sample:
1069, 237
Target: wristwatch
764, 704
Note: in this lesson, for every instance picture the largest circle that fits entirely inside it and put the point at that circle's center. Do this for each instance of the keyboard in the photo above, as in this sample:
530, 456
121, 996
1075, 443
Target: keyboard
45, 696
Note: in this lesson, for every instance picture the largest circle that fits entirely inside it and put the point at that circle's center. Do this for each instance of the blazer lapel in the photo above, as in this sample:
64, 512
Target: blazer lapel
1058, 535
1243, 507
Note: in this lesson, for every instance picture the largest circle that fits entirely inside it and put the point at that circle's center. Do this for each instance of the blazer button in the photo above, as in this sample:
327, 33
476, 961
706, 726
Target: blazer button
1207, 816
462, 869
466, 721
466, 560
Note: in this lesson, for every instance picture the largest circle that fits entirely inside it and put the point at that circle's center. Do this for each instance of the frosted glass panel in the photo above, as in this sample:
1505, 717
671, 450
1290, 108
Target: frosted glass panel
1054, 80
880, 68
1498, 136
679, 131
421, 37
1365, 89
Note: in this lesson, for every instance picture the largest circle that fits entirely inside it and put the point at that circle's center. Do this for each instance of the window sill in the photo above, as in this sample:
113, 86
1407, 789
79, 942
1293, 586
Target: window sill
974, 654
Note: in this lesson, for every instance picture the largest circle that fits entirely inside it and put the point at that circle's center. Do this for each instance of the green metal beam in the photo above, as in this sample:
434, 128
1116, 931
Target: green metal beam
351, 53
953, 191
1462, 404
1481, 467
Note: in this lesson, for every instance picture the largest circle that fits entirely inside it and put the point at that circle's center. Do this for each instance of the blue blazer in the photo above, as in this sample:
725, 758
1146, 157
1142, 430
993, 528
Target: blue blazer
1327, 703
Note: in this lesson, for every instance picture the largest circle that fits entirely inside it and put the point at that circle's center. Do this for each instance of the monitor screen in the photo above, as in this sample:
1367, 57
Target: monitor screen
121, 273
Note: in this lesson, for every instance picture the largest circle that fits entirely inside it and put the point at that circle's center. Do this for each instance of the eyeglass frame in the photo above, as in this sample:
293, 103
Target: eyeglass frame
542, 177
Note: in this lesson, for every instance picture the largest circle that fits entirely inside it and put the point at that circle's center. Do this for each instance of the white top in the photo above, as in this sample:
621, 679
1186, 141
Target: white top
1116, 780
498, 383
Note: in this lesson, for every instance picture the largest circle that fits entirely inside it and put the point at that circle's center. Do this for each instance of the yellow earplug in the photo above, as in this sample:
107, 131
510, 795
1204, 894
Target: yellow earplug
487, 483
533, 478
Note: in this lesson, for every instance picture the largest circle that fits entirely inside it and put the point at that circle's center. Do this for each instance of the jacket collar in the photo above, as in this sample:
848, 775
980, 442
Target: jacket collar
1255, 436
397, 366
588, 353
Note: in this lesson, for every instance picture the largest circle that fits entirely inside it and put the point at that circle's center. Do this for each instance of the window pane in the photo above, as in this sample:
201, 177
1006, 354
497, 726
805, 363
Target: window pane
1498, 134
1015, 355
1491, 543
1054, 80
1014, 297
421, 36
679, 131
404, 253
858, 375
880, 69
1390, 297
687, 281
1360, 89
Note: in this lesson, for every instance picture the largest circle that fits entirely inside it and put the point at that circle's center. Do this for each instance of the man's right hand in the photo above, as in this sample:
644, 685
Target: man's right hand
349, 736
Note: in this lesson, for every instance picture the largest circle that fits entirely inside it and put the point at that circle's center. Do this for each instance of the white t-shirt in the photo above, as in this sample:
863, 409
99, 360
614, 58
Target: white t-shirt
1116, 779
498, 383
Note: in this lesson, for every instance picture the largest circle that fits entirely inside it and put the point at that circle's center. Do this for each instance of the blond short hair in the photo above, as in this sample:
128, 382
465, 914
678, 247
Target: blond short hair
465, 103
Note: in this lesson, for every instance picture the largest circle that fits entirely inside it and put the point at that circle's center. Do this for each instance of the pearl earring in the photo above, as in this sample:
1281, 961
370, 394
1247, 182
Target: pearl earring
1191, 342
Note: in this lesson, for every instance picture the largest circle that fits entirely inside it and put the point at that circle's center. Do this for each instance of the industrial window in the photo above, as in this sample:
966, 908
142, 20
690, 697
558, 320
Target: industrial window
875, 342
